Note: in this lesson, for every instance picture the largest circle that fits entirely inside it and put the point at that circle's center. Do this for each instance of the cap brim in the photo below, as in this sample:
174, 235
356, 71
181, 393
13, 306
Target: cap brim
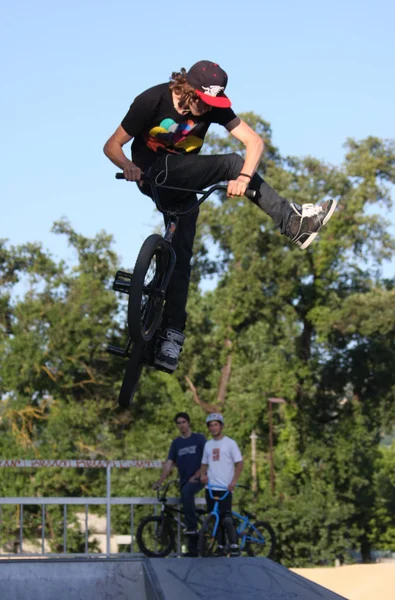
217, 101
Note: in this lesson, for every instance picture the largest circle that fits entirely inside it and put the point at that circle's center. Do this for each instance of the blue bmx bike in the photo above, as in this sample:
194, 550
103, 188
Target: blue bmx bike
256, 538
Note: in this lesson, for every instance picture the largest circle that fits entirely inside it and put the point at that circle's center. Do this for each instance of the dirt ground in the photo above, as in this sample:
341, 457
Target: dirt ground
356, 582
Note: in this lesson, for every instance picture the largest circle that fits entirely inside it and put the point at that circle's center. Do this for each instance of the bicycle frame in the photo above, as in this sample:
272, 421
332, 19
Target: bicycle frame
215, 510
166, 509
244, 520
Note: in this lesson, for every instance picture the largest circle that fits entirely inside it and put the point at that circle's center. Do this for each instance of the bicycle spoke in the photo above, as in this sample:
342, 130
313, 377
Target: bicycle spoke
147, 293
260, 540
155, 537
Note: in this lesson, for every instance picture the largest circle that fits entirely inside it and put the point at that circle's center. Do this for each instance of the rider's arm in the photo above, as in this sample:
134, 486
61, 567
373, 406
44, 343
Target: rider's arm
238, 470
195, 477
202, 441
113, 150
203, 473
254, 149
166, 470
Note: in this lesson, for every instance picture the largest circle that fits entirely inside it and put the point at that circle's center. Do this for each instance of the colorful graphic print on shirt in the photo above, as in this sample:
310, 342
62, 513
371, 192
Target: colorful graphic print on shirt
174, 137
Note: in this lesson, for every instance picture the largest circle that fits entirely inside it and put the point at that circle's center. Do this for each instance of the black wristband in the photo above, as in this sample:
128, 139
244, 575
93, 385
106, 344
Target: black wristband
245, 175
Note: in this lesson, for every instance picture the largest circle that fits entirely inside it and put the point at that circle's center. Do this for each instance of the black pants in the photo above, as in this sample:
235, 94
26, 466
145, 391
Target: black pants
199, 172
188, 492
226, 520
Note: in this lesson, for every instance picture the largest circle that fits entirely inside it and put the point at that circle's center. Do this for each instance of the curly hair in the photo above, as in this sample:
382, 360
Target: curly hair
179, 85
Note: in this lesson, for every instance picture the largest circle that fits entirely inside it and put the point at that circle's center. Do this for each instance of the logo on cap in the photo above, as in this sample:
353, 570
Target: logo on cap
213, 90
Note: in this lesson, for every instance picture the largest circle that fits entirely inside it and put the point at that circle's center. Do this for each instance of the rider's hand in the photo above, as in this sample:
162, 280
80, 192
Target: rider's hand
231, 486
237, 187
204, 479
156, 485
132, 171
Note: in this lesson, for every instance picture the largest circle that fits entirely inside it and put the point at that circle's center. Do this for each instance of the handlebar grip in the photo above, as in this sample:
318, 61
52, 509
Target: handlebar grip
251, 194
122, 176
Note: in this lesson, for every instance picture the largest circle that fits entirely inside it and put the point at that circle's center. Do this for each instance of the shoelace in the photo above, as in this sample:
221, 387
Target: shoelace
170, 349
311, 210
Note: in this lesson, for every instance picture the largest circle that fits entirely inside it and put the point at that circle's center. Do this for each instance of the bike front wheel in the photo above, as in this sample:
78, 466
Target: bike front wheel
132, 375
147, 290
207, 536
260, 540
155, 537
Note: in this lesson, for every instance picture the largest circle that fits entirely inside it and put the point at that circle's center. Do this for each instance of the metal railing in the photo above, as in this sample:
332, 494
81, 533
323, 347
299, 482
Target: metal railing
108, 501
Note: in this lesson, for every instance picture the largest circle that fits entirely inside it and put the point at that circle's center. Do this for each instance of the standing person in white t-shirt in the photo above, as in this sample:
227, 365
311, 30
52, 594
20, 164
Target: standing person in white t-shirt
222, 464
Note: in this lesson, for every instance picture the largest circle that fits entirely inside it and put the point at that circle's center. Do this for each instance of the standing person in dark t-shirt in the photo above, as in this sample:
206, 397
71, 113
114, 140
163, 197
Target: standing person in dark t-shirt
168, 123
186, 453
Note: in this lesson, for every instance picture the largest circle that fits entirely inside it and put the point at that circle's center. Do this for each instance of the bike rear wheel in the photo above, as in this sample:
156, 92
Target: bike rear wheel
261, 540
148, 287
155, 537
207, 540
132, 375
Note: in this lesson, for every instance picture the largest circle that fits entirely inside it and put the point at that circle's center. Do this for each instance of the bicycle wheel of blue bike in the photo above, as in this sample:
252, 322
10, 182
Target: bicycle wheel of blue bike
155, 537
132, 375
261, 540
147, 290
207, 543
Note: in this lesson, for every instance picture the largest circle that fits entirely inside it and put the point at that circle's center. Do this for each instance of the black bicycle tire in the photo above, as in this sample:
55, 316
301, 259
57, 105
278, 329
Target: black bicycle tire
272, 536
132, 375
203, 551
143, 548
150, 247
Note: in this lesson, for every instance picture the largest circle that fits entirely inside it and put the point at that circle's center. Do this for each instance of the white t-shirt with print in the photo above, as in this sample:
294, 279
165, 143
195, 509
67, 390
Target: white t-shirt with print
221, 456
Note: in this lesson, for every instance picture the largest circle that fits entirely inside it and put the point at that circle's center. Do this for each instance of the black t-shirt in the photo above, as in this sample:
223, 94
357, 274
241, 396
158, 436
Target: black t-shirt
187, 454
157, 128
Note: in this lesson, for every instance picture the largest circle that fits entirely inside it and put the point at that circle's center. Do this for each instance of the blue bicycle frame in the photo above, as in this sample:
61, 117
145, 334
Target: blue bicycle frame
217, 499
245, 538
244, 520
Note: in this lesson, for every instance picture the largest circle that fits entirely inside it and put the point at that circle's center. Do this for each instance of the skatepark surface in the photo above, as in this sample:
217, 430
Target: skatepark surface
155, 579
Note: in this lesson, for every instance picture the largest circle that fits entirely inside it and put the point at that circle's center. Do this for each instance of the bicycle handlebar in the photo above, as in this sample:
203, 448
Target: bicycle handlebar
204, 194
162, 490
221, 488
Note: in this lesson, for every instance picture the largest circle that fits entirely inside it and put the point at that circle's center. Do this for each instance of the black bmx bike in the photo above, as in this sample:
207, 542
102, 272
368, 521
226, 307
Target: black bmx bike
156, 534
147, 285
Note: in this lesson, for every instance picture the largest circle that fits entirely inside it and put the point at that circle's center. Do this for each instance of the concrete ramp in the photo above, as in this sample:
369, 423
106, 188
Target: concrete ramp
62, 579
155, 579
230, 579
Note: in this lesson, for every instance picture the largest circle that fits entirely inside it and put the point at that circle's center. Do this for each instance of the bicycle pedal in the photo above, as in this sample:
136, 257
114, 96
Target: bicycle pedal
117, 351
122, 282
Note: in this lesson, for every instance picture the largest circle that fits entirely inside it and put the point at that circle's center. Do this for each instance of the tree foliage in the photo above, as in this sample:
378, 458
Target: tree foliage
315, 328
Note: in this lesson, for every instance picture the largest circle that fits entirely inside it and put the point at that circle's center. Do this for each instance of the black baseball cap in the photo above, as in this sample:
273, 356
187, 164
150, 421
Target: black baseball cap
209, 81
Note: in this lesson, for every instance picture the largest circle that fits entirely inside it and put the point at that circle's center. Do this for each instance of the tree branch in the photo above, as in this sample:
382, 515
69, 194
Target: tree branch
208, 408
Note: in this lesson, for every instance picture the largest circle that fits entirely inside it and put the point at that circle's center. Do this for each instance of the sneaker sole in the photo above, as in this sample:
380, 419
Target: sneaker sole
164, 367
311, 237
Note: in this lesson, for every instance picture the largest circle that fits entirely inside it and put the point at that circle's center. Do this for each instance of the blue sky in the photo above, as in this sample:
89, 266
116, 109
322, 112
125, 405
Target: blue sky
319, 72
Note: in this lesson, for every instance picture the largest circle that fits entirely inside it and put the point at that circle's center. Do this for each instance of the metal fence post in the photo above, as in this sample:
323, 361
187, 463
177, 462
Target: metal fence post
108, 478
21, 530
